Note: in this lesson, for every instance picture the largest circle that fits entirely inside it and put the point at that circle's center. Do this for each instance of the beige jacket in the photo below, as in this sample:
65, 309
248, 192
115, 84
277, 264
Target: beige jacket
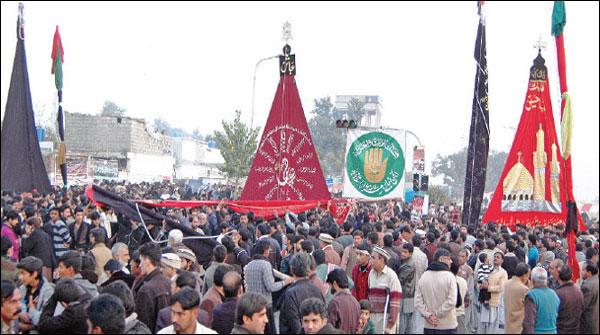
514, 305
436, 294
463, 289
496, 281
102, 255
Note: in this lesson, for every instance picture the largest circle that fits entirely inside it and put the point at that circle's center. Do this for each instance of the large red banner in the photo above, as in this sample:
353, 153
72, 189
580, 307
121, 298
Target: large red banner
286, 165
531, 189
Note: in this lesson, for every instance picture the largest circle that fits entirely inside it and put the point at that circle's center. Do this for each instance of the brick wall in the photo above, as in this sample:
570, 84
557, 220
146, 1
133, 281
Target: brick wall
106, 136
96, 134
145, 142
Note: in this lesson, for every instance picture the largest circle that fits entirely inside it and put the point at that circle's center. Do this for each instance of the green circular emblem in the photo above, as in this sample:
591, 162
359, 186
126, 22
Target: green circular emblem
375, 164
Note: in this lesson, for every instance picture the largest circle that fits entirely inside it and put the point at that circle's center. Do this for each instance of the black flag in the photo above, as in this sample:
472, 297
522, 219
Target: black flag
201, 247
22, 164
479, 137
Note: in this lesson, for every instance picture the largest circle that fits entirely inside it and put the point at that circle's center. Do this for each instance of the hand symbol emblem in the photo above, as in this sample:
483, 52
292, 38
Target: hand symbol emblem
374, 169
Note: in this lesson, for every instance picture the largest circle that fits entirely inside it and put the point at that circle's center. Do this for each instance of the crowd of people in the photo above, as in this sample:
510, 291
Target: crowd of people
69, 266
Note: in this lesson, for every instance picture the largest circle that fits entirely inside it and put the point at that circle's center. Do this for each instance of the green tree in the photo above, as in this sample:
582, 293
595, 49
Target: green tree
45, 117
197, 135
329, 142
112, 109
238, 145
454, 167
51, 134
356, 110
495, 164
161, 125
438, 195
177, 132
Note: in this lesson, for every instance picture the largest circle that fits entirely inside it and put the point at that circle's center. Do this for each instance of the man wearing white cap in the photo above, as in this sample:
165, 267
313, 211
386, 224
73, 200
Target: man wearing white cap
385, 293
170, 263
331, 256
175, 240
189, 262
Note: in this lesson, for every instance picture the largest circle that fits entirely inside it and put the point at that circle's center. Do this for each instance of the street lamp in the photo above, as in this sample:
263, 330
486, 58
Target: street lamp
413, 134
286, 36
254, 85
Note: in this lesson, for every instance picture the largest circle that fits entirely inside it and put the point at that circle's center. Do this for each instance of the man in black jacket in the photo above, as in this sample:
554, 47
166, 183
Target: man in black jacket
290, 320
80, 232
510, 259
132, 325
106, 315
224, 313
36, 242
73, 320
132, 234
114, 269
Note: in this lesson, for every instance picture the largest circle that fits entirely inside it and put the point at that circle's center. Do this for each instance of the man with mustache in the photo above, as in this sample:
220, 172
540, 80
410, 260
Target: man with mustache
184, 314
11, 306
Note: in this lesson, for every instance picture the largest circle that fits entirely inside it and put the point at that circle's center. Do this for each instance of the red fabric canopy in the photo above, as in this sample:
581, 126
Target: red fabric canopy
338, 208
286, 165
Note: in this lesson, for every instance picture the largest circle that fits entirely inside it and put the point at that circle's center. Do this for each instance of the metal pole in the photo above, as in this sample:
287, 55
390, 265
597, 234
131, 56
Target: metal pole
413, 134
254, 86
405, 159
385, 307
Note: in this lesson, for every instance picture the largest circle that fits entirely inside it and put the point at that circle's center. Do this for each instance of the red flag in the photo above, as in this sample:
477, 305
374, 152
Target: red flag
286, 165
57, 50
531, 188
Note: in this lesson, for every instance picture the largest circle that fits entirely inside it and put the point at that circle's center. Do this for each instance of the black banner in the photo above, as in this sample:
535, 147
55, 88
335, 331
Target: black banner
479, 137
203, 248
22, 165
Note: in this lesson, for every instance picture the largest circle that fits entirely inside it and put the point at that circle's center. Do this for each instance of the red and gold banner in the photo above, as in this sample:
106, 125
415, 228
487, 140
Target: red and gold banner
531, 189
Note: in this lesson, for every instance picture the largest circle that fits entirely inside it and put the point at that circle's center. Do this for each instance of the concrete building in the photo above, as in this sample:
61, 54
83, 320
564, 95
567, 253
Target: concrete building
372, 117
117, 148
195, 160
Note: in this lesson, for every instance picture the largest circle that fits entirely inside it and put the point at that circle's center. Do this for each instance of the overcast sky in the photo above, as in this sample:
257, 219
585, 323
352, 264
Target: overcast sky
192, 63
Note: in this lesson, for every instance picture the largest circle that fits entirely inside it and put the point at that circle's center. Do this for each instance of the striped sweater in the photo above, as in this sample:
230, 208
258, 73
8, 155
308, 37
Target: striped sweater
378, 282
60, 235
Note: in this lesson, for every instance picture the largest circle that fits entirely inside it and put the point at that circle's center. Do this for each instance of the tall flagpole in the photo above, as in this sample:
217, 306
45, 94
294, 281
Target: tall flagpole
57, 60
22, 164
479, 137
573, 219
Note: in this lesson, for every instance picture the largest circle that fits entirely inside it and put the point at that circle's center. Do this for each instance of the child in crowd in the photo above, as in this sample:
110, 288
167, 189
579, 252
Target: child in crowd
482, 276
366, 326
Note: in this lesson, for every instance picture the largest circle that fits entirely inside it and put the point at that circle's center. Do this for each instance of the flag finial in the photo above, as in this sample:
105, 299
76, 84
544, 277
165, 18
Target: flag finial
287, 32
481, 11
21, 22
540, 44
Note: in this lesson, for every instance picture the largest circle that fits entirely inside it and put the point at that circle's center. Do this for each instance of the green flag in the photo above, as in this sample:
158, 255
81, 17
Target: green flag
559, 18
57, 57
